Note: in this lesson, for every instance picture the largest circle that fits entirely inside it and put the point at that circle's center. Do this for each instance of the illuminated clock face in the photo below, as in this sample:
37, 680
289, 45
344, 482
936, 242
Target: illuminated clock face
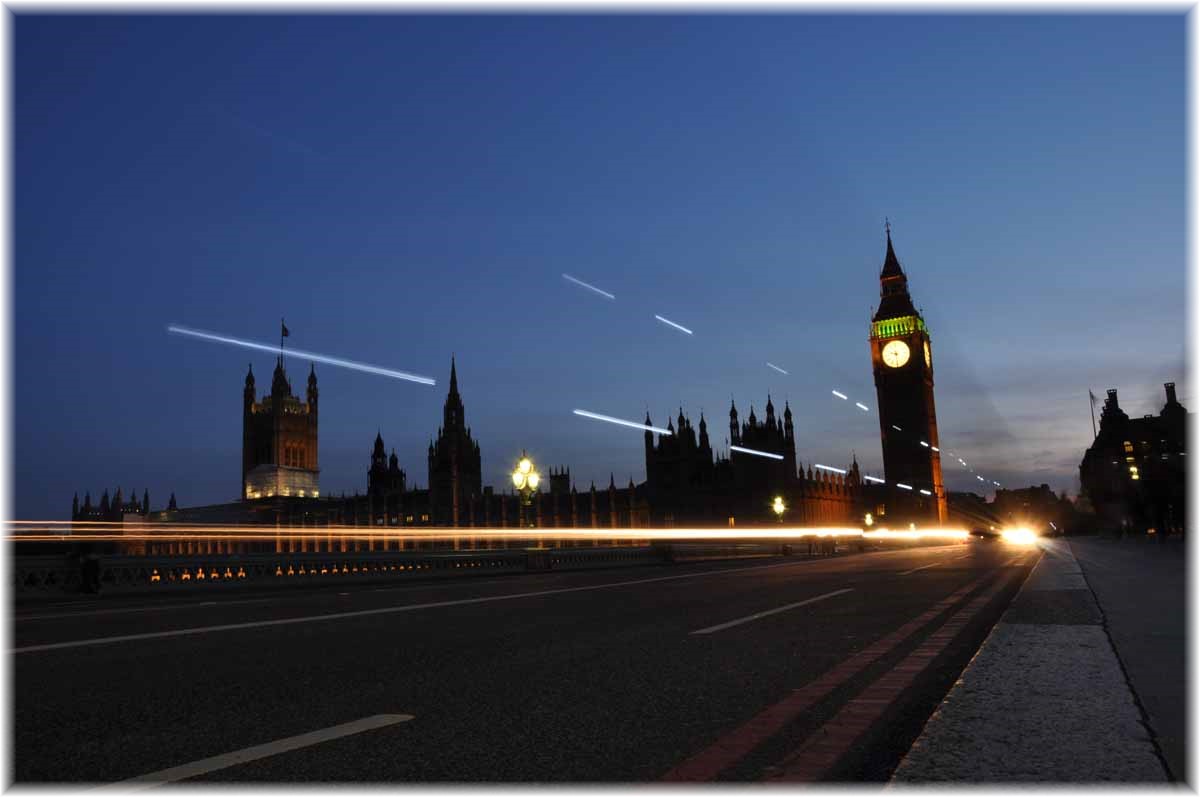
895, 353
928, 356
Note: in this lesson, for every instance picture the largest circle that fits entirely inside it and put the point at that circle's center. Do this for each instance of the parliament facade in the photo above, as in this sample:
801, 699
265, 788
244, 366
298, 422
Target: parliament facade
688, 482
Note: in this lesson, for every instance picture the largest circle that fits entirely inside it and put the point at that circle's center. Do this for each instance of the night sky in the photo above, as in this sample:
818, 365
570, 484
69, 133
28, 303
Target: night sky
402, 188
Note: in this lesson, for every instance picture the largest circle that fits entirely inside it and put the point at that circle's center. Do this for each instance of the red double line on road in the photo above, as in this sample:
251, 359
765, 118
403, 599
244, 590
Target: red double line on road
737, 744
825, 747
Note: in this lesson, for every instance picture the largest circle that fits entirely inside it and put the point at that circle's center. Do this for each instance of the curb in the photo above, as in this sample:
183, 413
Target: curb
1044, 699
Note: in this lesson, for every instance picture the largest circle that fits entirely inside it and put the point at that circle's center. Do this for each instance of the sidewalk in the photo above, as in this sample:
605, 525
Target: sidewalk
1043, 700
1141, 587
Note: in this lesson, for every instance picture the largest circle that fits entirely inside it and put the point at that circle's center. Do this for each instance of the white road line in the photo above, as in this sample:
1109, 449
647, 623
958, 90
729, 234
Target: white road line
714, 628
915, 569
211, 629
206, 765
168, 607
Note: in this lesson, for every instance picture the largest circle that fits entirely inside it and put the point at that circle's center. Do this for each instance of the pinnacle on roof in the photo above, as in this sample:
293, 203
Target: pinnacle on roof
891, 265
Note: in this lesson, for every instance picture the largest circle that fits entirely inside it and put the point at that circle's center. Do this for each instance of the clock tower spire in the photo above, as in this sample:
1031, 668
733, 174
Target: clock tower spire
902, 361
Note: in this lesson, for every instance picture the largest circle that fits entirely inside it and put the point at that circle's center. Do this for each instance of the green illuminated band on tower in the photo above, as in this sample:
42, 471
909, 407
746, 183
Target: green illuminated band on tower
904, 325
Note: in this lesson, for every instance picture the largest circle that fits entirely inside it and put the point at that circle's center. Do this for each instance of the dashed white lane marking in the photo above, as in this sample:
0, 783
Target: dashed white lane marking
923, 567
206, 765
412, 607
714, 628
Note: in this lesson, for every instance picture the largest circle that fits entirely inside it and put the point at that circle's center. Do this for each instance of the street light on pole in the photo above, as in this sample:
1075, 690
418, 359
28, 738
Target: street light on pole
779, 507
526, 479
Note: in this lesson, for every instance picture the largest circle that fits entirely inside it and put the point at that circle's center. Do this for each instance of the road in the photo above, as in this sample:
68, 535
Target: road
705, 671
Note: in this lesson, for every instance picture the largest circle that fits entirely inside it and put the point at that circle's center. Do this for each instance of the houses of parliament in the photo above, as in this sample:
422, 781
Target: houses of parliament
688, 483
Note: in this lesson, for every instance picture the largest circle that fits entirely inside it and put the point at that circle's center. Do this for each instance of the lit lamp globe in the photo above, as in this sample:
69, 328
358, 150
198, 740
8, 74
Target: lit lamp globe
524, 466
532, 480
518, 479
778, 507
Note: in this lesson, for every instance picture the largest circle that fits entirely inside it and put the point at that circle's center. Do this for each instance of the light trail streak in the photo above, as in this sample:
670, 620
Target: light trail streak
874, 479
829, 468
935, 448
904, 486
777, 368
756, 453
632, 424
583, 284
671, 323
862, 406
169, 532
916, 534
305, 355
365, 533
925, 492
897, 428
842, 396
925, 444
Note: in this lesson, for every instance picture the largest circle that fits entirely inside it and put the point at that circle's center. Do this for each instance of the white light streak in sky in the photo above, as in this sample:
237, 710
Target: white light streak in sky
903, 486
897, 428
304, 355
592, 288
862, 406
777, 368
925, 444
842, 396
670, 323
925, 492
874, 479
829, 468
756, 453
632, 424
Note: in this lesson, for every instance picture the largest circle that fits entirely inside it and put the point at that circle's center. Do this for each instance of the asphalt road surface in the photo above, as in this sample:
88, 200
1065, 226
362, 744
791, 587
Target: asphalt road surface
707, 671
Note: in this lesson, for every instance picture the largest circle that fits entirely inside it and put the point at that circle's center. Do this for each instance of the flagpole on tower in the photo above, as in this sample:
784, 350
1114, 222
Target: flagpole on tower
1092, 396
283, 333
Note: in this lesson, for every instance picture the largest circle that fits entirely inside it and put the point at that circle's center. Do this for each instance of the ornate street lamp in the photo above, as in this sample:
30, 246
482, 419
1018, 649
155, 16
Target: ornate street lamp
779, 507
526, 479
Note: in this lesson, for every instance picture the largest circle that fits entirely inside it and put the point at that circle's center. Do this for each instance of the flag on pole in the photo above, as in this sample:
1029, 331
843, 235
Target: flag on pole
284, 333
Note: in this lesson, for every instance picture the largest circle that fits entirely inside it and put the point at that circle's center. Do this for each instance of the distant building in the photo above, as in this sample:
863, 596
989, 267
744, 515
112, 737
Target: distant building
1037, 508
902, 361
279, 439
688, 481
117, 510
455, 473
1135, 472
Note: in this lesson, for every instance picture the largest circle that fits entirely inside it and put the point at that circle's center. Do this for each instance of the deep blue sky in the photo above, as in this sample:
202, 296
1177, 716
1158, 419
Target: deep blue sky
405, 187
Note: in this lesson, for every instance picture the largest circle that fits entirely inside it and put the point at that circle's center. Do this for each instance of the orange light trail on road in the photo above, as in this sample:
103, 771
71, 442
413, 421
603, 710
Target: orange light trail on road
53, 531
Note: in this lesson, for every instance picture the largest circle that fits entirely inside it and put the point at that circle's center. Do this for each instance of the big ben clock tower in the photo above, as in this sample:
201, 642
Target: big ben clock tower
903, 364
